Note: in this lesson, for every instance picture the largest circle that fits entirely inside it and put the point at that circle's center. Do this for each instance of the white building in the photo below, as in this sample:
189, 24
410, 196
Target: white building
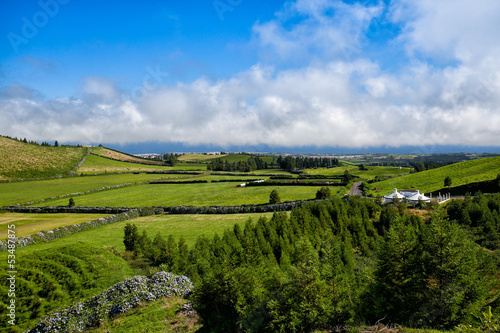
412, 196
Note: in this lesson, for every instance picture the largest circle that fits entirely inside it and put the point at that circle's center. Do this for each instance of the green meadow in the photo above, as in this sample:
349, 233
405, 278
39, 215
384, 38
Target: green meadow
21, 192
370, 173
29, 224
432, 180
205, 194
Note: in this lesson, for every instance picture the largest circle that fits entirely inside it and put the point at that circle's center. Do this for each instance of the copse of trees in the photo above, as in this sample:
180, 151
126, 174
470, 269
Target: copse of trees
292, 163
251, 164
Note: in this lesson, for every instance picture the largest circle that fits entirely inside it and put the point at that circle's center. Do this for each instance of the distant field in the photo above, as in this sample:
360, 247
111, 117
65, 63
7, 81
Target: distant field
21, 192
208, 194
23, 160
116, 155
371, 173
29, 224
100, 164
198, 157
431, 180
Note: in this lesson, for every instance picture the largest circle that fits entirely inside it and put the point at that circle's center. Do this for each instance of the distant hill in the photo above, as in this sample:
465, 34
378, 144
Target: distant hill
431, 180
123, 157
27, 160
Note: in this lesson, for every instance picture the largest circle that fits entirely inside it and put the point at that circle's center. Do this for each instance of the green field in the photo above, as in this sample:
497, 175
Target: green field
21, 192
23, 160
371, 173
432, 180
207, 194
29, 224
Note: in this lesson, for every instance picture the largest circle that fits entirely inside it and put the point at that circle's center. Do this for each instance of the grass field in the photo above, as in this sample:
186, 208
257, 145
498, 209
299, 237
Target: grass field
199, 157
432, 180
95, 163
371, 173
21, 192
116, 155
23, 160
209, 194
29, 224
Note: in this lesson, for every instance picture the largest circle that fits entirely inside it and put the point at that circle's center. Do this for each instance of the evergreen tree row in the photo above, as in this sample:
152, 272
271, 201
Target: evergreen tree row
251, 164
292, 163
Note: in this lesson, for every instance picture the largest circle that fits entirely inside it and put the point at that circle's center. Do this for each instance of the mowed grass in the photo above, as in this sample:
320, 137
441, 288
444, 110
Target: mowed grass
432, 180
21, 192
117, 155
23, 160
207, 194
29, 224
371, 173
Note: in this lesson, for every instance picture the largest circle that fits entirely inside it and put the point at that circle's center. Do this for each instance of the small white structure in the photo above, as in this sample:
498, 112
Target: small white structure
412, 196
393, 195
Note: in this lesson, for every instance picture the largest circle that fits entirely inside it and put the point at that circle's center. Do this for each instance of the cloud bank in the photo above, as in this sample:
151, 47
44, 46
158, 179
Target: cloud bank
340, 97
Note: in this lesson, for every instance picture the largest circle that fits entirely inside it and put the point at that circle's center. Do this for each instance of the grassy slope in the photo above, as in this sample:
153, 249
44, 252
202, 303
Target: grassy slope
431, 180
58, 276
22, 160
209, 194
29, 224
117, 155
21, 192
95, 163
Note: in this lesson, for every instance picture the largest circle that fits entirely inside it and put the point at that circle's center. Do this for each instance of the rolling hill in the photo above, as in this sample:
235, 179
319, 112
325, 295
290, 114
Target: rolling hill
24, 160
431, 180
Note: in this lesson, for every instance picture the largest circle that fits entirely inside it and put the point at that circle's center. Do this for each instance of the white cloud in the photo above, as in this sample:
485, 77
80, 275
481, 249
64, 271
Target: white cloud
332, 101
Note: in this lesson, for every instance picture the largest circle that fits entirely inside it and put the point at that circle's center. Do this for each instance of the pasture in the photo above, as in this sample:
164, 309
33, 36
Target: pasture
21, 192
205, 194
370, 173
29, 224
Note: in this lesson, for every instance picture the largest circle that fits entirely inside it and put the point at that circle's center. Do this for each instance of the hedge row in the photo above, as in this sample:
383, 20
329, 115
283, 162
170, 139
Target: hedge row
120, 298
74, 228
262, 208
179, 182
235, 180
296, 183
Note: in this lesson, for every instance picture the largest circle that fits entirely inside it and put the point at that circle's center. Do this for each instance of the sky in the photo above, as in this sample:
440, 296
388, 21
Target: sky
323, 75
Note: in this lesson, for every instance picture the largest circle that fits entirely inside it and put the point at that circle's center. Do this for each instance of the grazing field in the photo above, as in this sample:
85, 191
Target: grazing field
95, 164
206, 194
29, 224
21, 192
116, 155
370, 173
199, 158
431, 180
189, 226
23, 160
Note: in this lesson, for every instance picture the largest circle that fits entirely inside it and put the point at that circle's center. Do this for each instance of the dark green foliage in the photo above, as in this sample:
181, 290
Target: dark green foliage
480, 216
71, 202
429, 275
274, 197
323, 193
131, 238
447, 181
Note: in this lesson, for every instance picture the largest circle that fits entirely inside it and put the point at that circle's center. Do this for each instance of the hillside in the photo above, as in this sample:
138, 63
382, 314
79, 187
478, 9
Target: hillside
24, 160
431, 180
120, 156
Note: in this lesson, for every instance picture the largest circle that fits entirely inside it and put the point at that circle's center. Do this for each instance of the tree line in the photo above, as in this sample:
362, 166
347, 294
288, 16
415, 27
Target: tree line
336, 262
251, 164
292, 163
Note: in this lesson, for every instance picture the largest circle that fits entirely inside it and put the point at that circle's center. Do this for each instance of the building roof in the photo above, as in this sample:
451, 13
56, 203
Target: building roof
394, 194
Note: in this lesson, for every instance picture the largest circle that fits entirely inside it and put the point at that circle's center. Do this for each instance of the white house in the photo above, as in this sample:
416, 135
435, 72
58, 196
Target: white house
412, 196
393, 195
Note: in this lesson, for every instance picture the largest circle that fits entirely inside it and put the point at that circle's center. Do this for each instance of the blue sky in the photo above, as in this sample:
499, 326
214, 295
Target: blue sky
239, 73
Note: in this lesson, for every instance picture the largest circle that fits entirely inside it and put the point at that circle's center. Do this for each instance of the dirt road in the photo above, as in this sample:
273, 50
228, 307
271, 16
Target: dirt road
356, 189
